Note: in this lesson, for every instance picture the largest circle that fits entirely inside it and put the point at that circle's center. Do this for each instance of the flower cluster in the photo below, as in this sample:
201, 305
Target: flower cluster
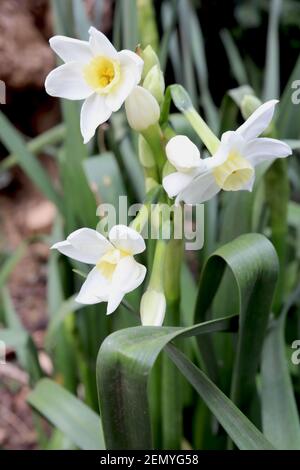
105, 79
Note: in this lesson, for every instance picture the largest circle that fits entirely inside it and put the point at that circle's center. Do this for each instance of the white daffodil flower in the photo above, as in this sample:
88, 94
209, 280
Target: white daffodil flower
116, 272
231, 168
95, 72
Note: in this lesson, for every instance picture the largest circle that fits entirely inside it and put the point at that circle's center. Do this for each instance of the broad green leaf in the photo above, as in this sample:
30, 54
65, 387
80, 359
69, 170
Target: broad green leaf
104, 174
253, 263
245, 435
129, 24
68, 414
280, 416
124, 363
81, 20
277, 193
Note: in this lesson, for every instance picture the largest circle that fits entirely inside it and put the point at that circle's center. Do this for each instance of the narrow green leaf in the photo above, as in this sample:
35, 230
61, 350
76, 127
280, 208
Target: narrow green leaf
235, 61
252, 260
129, 24
68, 414
245, 435
272, 70
10, 263
12, 140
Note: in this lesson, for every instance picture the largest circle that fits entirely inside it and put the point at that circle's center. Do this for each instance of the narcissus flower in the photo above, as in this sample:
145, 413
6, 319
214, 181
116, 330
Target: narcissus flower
95, 72
116, 272
231, 168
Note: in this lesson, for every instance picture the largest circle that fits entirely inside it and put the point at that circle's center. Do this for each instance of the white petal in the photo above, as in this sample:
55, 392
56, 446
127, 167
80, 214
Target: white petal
100, 45
93, 113
201, 189
127, 239
90, 242
67, 249
128, 275
183, 153
259, 150
132, 61
95, 289
84, 245
176, 182
67, 81
130, 75
114, 301
258, 121
230, 140
71, 50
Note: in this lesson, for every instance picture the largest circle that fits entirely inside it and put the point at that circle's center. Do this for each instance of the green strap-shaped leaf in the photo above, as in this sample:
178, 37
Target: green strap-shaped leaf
253, 262
124, 363
279, 409
240, 429
13, 141
127, 356
70, 415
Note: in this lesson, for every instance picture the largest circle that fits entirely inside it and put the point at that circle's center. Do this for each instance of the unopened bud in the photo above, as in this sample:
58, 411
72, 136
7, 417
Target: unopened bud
153, 308
150, 59
155, 83
249, 104
142, 109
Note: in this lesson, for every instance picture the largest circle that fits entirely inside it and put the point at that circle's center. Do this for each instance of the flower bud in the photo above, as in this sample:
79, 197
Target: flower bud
155, 83
153, 308
150, 59
249, 104
142, 109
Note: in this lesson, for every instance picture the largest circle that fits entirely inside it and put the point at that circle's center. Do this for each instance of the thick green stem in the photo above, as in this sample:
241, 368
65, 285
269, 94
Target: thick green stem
154, 137
171, 381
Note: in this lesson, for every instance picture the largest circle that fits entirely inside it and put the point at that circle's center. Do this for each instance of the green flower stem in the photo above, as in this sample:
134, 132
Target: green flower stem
172, 271
157, 278
206, 135
183, 102
277, 191
154, 138
141, 219
171, 381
